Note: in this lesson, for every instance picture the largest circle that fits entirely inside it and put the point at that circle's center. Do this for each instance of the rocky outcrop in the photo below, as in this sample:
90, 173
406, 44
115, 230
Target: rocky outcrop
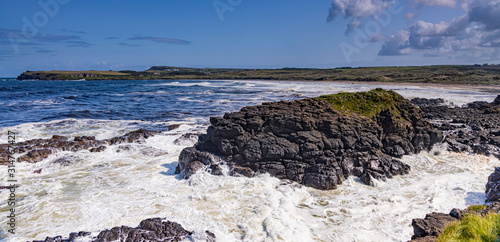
36, 150
429, 228
473, 128
153, 229
433, 225
313, 141
493, 186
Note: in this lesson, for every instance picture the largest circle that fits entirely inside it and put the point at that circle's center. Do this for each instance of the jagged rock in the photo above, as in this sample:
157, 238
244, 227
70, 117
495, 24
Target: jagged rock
431, 226
311, 142
153, 229
67, 160
497, 100
36, 150
493, 186
472, 128
192, 160
242, 171
421, 102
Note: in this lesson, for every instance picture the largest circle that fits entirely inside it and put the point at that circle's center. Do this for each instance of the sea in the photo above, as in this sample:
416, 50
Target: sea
128, 183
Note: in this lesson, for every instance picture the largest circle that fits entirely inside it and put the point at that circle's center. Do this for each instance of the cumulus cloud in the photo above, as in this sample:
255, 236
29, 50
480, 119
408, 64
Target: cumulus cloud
473, 35
457, 25
357, 10
485, 13
377, 37
397, 44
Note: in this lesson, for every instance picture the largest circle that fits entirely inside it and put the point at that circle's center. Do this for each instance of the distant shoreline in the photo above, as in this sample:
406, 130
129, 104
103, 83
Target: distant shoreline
488, 75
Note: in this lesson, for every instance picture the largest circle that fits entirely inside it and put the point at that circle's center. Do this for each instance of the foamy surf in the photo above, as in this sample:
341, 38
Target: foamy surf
130, 182
127, 183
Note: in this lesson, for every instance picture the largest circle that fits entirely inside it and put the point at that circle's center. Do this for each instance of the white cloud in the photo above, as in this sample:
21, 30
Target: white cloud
475, 35
397, 44
377, 37
422, 28
357, 10
410, 16
486, 13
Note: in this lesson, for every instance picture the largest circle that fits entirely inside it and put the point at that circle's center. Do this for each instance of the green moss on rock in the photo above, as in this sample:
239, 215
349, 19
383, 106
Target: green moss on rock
368, 104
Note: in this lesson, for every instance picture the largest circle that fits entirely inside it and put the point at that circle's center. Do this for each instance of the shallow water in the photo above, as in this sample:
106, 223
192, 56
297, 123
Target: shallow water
131, 182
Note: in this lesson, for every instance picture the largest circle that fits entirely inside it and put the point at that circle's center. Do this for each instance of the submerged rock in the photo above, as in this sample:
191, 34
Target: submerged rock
36, 150
153, 229
317, 142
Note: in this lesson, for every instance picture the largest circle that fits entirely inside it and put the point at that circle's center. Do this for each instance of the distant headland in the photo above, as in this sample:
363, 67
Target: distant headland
451, 74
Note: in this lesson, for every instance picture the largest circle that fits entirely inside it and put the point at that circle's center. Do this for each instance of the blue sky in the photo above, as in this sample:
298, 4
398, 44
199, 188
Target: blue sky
134, 35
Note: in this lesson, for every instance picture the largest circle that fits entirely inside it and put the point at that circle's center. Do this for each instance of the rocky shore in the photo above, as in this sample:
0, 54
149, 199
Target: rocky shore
36, 150
314, 142
153, 229
473, 128
432, 226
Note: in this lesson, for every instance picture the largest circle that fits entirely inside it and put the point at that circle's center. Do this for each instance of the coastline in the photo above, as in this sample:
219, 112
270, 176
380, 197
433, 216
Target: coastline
417, 84
471, 74
160, 166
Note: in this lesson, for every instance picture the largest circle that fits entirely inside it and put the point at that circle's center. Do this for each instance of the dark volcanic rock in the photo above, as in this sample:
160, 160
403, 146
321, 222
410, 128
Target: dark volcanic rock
36, 150
493, 186
153, 229
310, 142
432, 225
429, 228
473, 128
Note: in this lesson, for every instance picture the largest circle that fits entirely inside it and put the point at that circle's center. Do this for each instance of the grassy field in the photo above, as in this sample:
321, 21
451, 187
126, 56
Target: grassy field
471, 74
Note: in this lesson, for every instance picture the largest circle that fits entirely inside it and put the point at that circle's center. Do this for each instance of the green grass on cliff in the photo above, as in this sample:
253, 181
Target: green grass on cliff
470, 74
366, 104
473, 227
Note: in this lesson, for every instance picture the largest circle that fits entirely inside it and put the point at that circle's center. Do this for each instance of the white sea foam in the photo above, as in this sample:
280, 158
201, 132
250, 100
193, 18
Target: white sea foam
124, 186
188, 84
130, 182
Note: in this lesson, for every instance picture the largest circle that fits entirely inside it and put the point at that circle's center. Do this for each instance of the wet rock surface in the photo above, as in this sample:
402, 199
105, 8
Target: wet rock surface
473, 128
36, 150
153, 229
493, 186
430, 227
309, 142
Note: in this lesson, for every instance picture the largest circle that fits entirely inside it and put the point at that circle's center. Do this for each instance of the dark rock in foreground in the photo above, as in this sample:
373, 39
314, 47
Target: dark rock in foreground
493, 186
315, 142
433, 225
473, 128
153, 229
38, 149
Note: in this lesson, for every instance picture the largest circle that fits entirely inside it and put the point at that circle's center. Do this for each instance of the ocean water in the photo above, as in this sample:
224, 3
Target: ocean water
131, 182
